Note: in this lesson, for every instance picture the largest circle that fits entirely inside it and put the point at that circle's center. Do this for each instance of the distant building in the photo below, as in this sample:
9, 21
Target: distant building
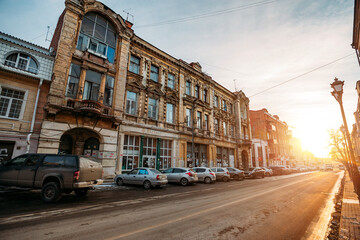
25, 77
269, 128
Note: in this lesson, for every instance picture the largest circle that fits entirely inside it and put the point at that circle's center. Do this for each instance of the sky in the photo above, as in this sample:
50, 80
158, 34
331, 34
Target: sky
299, 46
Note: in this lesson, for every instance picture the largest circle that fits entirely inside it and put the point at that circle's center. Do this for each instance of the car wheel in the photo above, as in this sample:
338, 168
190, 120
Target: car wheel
51, 192
184, 182
207, 180
147, 184
119, 182
81, 192
236, 177
268, 174
262, 175
225, 179
242, 178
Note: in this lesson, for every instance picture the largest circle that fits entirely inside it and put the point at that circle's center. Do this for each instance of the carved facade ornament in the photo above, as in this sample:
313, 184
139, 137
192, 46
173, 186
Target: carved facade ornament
154, 88
134, 82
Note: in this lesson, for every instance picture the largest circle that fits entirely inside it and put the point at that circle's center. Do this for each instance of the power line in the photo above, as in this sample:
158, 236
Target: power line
291, 79
209, 14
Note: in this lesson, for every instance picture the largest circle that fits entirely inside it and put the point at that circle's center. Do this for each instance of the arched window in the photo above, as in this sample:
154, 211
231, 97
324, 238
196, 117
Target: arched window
97, 35
66, 144
22, 61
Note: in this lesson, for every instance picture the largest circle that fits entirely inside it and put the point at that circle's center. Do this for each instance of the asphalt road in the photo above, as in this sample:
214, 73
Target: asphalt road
284, 207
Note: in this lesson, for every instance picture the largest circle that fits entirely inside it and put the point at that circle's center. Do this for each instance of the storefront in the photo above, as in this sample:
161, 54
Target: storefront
200, 155
225, 157
141, 151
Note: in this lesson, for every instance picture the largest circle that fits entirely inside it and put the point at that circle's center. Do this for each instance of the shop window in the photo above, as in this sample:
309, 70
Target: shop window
152, 108
154, 73
97, 35
22, 61
11, 102
131, 152
92, 85
171, 81
73, 80
134, 64
91, 147
170, 113
165, 154
109, 90
131, 103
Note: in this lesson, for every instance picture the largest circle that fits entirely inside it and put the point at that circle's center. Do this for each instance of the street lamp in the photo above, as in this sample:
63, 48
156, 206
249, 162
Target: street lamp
337, 92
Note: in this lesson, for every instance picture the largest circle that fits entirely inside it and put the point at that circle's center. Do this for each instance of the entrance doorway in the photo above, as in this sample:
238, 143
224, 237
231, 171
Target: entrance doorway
244, 159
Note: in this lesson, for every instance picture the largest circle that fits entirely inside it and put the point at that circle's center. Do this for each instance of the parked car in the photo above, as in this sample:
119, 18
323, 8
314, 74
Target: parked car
278, 170
53, 174
268, 171
147, 177
255, 172
221, 174
329, 167
236, 174
184, 176
205, 174
341, 167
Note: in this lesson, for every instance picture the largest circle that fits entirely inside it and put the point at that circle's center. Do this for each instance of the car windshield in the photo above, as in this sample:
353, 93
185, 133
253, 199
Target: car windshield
155, 171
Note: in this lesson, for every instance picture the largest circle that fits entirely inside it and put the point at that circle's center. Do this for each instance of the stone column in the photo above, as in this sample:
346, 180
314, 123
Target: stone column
102, 88
81, 83
120, 156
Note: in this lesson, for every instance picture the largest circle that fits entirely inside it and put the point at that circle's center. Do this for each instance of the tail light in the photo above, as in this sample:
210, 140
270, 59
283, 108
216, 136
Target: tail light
227, 173
76, 175
189, 173
212, 173
158, 177
102, 175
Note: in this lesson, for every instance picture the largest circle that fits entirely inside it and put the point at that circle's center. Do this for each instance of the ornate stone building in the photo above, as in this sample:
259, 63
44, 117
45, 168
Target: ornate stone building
123, 101
25, 76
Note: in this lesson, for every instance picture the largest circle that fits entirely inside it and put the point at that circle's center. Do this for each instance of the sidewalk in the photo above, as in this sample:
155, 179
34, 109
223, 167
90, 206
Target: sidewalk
350, 213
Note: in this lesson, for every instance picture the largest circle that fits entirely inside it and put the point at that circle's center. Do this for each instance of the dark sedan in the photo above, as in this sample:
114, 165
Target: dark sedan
255, 172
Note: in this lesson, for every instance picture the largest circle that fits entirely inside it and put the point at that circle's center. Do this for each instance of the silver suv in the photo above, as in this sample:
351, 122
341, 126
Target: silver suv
184, 176
205, 174
221, 173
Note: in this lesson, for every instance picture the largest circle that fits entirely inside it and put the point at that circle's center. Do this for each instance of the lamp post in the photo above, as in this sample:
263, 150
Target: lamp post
337, 92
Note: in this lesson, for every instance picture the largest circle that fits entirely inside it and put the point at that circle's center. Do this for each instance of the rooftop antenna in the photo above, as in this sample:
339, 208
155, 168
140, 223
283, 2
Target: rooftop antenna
48, 30
235, 85
127, 15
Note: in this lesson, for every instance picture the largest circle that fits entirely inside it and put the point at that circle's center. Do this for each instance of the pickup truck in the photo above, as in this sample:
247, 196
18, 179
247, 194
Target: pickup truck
53, 174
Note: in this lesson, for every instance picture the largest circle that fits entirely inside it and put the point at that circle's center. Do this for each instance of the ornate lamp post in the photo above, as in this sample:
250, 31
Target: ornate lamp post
337, 92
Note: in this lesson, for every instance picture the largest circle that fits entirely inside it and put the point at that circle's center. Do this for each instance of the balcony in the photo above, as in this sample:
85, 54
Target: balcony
88, 107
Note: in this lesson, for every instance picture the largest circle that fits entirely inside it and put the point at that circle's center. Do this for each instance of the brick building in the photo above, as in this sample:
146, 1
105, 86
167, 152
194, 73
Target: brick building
270, 129
25, 77
123, 101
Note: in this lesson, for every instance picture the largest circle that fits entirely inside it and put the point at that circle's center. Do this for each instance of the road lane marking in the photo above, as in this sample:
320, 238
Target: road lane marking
143, 229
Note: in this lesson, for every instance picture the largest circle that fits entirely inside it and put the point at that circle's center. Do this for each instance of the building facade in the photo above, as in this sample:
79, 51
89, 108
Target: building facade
126, 103
269, 128
25, 77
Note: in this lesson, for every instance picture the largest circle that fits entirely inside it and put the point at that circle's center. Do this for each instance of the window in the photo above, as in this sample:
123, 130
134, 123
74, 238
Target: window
98, 36
224, 107
171, 81
152, 108
134, 64
205, 95
70, 162
170, 113
154, 73
32, 160
199, 120
130, 152
18, 161
188, 117
225, 128
231, 108
143, 172
188, 88
232, 130
22, 61
131, 102
197, 91
179, 170
216, 101
54, 161
92, 85
200, 170
73, 80
109, 89
11, 102
216, 126
206, 122
165, 154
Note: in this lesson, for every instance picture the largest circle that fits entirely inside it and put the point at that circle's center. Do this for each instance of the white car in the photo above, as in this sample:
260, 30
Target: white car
148, 177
